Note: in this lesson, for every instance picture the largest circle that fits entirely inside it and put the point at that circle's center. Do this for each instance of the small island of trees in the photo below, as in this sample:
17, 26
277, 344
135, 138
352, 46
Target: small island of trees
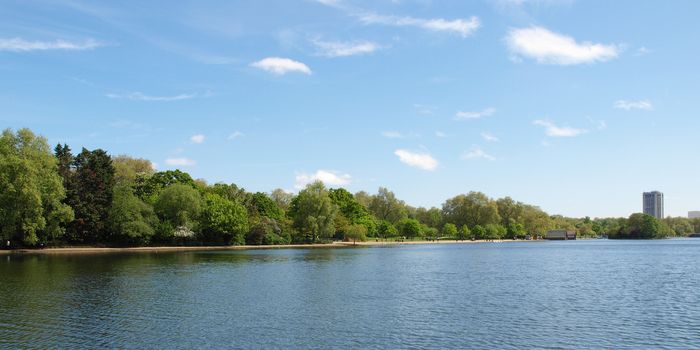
58, 198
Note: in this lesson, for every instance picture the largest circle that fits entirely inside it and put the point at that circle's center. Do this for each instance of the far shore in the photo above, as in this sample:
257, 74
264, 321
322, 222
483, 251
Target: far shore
165, 249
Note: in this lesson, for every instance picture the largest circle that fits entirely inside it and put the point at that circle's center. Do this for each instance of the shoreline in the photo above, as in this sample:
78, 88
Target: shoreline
169, 249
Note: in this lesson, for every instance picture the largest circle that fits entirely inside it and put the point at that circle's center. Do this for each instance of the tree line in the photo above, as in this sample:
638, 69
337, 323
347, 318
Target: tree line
55, 197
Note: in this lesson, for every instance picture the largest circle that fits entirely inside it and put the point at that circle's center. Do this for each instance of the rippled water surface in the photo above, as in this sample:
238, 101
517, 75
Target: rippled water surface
583, 294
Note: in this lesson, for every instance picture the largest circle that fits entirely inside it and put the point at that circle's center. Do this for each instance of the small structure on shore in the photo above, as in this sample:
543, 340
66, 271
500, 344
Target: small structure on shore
562, 235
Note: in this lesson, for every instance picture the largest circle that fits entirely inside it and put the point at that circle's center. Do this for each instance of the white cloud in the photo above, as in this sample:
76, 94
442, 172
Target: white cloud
474, 115
558, 131
21, 45
180, 162
629, 105
477, 153
137, 96
440, 134
330, 178
235, 135
489, 137
424, 109
281, 66
392, 134
642, 51
342, 49
199, 138
553, 48
419, 160
463, 27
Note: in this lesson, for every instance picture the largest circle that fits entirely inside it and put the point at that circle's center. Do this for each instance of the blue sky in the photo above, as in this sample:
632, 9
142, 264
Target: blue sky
575, 106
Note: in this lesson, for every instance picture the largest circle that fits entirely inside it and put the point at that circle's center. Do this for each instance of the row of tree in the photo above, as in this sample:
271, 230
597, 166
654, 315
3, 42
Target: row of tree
93, 198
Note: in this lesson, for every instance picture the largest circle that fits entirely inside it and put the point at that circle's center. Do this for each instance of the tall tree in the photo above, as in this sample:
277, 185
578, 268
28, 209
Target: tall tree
472, 209
127, 169
313, 213
223, 221
31, 190
131, 221
90, 195
148, 188
385, 206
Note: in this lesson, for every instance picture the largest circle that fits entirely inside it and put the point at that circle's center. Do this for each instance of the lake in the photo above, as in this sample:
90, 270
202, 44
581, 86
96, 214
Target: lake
566, 294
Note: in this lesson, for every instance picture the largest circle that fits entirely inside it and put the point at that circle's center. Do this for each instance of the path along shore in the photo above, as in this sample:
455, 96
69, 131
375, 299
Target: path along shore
97, 250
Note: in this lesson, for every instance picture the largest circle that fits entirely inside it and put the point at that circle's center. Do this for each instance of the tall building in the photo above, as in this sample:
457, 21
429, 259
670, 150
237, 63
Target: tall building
653, 204
693, 214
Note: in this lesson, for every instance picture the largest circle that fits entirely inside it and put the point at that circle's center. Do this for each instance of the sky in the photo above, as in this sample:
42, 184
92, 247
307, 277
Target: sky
574, 106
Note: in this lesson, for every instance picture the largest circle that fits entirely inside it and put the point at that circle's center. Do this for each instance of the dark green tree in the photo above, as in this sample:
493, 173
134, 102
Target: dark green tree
313, 213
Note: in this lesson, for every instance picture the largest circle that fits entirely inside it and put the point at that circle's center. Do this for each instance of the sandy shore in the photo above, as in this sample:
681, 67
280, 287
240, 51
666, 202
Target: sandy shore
97, 250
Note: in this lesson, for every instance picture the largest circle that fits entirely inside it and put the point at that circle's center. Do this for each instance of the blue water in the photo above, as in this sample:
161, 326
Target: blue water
554, 295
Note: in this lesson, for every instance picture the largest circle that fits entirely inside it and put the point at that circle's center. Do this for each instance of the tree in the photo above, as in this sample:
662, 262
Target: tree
642, 226
356, 233
494, 231
509, 210
267, 231
464, 232
31, 190
90, 195
409, 228
127, 169
449, 230
282, 198
223, 221
474, 208
264, 206
385, 206
148, 188
386, 229
131, 220
430, 217
179, 205
516, 230
479, 232
313, 213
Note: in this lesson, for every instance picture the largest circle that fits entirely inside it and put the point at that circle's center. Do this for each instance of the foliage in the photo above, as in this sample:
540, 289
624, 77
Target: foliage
385, 206
179, 205
223, 221
148, 188
264, 206
449, 230
356, 233
409, 228
31, 190
474, 208
313, 213
131, 221
127, 169
385, 229
464, 232
267, 232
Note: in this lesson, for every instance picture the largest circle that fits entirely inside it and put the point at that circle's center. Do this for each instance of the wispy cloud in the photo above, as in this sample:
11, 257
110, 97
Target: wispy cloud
550, 129
138, 96
419, 160
460, 115
398, 135
21, 45
489, 137
477, 153
180, 162
440, 134
330, 178
198, 138
281, 66
548, 47
343, 49
424, 109
235, 135
463, 27
630, 105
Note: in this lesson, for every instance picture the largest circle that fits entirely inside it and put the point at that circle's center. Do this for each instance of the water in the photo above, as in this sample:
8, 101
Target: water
571, 295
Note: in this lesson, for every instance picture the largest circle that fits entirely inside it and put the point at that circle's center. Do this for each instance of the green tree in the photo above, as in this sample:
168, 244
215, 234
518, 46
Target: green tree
223, 221
474, 208
464, 233
385, 206
642, 226
495, 231
282, 198
264, 206
90, 189
356, 233
516, 230
313, 213
385, 229
267, 232
31, 190
179, 205
149, 188
127, 169
131, 220
449, 230
479, 232
430, 217
409, 228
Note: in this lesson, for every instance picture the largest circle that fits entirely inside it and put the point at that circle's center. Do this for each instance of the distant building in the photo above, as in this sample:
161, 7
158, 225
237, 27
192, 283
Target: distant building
693, 214
562, 235
653, 204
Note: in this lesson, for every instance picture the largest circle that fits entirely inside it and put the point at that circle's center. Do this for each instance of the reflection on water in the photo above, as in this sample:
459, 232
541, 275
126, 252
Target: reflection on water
585, 294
